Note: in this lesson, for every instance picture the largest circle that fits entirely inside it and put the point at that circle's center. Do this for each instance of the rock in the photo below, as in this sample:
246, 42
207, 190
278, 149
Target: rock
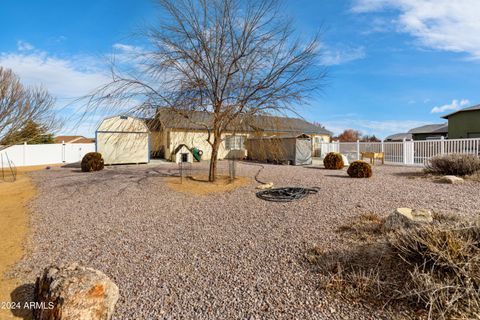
72, 292
265, 186
406, 218
452, 179
345, 161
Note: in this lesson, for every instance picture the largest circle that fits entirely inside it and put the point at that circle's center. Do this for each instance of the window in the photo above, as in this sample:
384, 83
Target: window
235, 142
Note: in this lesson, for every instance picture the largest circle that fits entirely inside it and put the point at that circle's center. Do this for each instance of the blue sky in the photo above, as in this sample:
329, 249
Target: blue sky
392, 64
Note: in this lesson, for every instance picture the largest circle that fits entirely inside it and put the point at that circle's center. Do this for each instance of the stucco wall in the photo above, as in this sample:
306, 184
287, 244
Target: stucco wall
172, 138
195, 139
464, 125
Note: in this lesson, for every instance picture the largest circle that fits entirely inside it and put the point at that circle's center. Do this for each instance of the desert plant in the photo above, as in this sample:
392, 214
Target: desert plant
360, 169
453, 164
444, 267
92, 161
333, 160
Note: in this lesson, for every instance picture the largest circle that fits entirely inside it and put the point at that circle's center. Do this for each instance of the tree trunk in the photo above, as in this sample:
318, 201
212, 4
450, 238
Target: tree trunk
212, 174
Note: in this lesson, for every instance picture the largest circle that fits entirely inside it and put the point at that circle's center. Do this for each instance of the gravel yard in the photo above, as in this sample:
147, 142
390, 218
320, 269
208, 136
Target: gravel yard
222, 256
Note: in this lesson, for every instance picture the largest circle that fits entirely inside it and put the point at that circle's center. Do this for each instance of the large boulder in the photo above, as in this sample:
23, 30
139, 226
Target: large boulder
452, 180
72, 292
406, 218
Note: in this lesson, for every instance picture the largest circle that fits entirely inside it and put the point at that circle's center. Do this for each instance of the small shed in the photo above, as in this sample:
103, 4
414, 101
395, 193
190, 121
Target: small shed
296, 150
123, 139
182, 154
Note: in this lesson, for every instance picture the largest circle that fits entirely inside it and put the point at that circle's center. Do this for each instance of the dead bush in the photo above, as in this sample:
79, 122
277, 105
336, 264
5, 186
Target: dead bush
453, 164
435, 268
366, 272
444, 268
366, 227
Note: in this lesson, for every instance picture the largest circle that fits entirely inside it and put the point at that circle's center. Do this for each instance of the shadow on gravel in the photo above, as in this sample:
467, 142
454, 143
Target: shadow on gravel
72, 165
414, 174
22, 296
338, 176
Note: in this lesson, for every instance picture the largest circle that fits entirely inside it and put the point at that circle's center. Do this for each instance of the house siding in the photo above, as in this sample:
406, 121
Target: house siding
464, 125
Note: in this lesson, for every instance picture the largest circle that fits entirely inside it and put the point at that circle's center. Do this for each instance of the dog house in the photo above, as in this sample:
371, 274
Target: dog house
182, 154
296, 150
122, 140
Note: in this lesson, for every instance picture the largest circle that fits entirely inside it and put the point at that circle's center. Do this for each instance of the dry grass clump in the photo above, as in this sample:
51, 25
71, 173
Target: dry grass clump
433, 267
366, 272
367, 227
444, 268
473, 177
453, 164
199, 185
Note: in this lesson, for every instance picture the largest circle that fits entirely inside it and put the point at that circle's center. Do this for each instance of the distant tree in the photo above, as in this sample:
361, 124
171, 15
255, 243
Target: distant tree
32, 132
234, 59
372, 138
349, 135
352, 135
22, 108
318, 124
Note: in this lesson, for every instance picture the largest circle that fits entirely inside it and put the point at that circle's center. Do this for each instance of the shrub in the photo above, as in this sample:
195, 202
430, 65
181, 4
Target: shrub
333, 161
359, 169
92, 161
453, 164
444, 268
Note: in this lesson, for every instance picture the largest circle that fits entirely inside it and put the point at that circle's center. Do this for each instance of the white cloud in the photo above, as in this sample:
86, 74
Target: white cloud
454, 106
332, 57
379, 128
437, 24
63, 77
24, 46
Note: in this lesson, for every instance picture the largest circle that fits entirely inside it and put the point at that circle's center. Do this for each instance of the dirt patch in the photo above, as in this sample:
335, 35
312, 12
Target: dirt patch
199, 184
13, 228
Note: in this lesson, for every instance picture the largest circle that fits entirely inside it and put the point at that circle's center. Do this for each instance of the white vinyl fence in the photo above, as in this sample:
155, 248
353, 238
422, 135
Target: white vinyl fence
408, 152
40, 154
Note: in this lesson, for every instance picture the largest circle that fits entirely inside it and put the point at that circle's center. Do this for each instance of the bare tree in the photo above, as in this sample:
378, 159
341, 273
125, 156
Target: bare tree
21, 106
231, 58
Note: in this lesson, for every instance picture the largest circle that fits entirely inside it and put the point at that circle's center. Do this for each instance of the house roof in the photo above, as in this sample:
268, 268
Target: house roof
300, 136
430, 128
473, 108
399, 136
73, 139
198, 120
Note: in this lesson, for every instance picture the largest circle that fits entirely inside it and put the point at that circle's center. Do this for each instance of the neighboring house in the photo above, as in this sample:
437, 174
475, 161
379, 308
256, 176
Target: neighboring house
464, 123
73, 139
171, 130
398, 137
430, 132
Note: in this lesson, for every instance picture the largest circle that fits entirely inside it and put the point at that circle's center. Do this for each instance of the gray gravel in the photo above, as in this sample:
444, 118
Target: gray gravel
226, 256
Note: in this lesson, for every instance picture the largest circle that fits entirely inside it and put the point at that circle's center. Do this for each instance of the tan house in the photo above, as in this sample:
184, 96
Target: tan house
169, 130
73, 139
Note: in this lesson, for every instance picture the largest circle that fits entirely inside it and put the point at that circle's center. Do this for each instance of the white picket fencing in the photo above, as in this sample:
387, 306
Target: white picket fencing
407, 152
42, 154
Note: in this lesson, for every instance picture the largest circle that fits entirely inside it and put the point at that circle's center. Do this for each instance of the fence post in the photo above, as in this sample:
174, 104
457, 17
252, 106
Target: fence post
63, 151
442, 145
382, 147
358, 149
24, 153
408, 152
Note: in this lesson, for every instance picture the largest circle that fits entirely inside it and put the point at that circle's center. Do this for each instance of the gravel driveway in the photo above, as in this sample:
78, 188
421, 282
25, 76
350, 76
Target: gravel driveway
224, 256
